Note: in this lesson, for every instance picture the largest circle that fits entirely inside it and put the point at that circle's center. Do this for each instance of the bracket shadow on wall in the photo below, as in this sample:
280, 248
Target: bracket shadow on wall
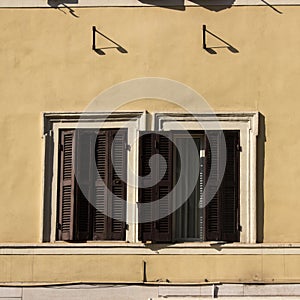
213, 5
100, 49
59, 4
211, 49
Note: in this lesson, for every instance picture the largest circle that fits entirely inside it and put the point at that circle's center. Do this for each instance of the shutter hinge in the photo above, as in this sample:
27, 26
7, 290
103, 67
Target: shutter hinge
126, 227
239, 148
61, 147
127, 147
239, 227
48, 133
58, 226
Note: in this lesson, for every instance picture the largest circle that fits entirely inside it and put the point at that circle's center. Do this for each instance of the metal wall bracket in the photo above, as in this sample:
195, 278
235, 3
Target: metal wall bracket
94, 38
204, 37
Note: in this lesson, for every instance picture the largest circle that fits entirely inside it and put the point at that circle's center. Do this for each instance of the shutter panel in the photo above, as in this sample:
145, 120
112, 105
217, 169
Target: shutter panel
163, 232
118, 141
230, 189
107, 153
85, 178
146, 195
222, 212
100, 218
212, 210
66, 191
160, 230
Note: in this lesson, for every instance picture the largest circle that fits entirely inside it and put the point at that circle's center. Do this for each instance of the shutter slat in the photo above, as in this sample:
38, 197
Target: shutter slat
99, 222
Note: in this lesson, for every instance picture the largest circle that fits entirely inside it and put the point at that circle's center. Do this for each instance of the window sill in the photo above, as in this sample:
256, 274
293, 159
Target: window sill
122, 248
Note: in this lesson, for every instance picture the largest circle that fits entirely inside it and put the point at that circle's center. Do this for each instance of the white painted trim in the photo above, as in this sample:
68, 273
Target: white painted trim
129, 3
247, 124
123, 248
43, 164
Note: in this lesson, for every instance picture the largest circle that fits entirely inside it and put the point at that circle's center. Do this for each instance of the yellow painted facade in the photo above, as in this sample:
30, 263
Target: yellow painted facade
47, 64
159, 268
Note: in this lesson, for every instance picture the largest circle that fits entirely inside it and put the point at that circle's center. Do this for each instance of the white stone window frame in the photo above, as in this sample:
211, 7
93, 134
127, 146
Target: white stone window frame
247, 124
134, 121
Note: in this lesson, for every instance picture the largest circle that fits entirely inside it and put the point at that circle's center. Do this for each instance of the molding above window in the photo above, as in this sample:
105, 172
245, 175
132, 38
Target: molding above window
51, 118
129, 3
250, 118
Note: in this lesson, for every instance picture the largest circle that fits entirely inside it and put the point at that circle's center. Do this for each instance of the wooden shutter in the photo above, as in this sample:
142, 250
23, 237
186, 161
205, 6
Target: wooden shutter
107, 153
163, 231
230, 189
160, 230
100, 202
118, 142
67, 186
222, 212
146, 195
84, 184
212, 212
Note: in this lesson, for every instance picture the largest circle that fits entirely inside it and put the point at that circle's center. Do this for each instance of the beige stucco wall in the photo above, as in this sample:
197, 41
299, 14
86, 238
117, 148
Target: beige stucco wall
47, 64
172, 268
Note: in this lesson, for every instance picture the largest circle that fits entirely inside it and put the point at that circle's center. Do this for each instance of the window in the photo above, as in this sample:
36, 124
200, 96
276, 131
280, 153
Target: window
216, 221
78, 207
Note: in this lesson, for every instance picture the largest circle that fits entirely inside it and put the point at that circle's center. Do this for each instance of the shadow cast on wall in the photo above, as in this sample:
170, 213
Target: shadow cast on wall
211, 49
60, 4
213, 5
99, 50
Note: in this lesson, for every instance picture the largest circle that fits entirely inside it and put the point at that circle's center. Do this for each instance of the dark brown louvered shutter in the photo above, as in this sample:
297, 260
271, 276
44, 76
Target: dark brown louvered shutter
222, 211
118, 157
84, 183
160, 230
163, 232
146, 195
230, 189
67, 186
108, 153
100, 201
212, 211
